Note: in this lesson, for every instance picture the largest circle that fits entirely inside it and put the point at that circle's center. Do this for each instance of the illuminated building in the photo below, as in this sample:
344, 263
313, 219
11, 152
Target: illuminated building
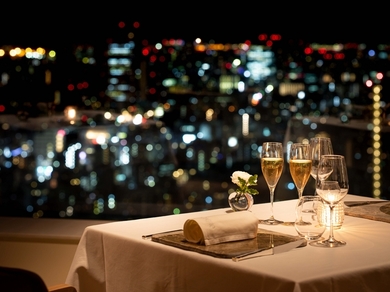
119, 70
24, 72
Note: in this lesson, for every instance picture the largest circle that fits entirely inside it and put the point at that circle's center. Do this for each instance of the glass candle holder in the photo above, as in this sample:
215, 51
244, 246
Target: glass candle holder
323, 213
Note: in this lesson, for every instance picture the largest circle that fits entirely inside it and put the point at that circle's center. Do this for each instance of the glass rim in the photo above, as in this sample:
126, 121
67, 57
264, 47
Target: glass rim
272, 143
300, 143
332, 156
320, 138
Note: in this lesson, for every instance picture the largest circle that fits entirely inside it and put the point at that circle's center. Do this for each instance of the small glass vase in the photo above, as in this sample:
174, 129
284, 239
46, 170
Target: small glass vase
241, 203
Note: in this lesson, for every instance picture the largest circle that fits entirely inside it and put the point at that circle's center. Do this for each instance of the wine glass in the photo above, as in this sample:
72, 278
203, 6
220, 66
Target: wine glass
300, 169
272, 166
300, 165
318, 147
332, 186
312, 230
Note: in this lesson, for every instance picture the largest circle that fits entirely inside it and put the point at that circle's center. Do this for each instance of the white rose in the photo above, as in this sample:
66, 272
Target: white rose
242, 174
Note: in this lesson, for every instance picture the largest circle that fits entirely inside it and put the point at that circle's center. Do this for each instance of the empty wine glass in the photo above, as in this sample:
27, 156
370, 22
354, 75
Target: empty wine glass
272, 166
332, 186
312, 230
319, 146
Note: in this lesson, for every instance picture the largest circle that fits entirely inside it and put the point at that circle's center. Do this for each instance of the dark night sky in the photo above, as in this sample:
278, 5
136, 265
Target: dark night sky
74, 23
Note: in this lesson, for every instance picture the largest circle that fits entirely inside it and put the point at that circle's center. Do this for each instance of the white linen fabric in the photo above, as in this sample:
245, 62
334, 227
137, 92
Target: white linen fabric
221, 228
114, 257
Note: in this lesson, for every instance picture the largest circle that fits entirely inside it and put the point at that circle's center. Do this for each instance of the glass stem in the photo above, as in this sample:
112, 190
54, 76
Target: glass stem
300, 192
271, 196
331, 236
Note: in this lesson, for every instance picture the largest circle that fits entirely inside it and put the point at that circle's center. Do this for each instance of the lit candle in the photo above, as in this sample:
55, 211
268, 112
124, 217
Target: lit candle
330, 197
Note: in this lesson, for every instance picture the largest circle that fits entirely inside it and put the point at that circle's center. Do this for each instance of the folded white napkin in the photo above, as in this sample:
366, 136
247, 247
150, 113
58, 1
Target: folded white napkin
221, 228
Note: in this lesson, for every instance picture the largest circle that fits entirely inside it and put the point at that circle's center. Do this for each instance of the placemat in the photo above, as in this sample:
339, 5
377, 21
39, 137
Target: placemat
377, 211
228, 249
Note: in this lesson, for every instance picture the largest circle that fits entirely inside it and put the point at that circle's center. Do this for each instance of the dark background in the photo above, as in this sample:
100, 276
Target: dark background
72, 22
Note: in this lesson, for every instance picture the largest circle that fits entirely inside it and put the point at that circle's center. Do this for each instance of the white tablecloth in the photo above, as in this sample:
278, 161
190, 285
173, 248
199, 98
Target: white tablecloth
113, 257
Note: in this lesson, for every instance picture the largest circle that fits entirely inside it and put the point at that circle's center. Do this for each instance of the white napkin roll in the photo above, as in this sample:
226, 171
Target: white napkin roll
221, 228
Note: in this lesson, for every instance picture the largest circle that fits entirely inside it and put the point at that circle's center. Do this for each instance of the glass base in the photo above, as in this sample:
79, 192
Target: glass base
328, 243
313, 237
270, 221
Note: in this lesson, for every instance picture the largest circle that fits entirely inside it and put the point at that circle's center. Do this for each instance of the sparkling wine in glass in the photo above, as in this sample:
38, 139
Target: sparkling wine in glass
272, 166
332, 186
300, 169
300, 165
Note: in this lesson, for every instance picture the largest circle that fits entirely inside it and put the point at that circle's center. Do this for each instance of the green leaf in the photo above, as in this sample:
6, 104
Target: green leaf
253, 191
252, 181
242, 182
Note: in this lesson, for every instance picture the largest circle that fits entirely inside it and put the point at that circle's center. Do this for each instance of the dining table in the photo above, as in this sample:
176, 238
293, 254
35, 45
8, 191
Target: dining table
124, 255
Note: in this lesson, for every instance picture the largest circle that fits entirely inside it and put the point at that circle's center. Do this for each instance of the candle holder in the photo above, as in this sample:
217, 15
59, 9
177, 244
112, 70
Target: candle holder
323, 213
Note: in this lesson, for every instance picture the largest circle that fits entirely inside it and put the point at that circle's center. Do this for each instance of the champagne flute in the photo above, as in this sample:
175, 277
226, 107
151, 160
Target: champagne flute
300, 169
300, 165
272, 166
332, 186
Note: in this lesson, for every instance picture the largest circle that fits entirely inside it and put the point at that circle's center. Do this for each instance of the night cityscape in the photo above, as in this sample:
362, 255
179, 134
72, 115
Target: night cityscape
132, 125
